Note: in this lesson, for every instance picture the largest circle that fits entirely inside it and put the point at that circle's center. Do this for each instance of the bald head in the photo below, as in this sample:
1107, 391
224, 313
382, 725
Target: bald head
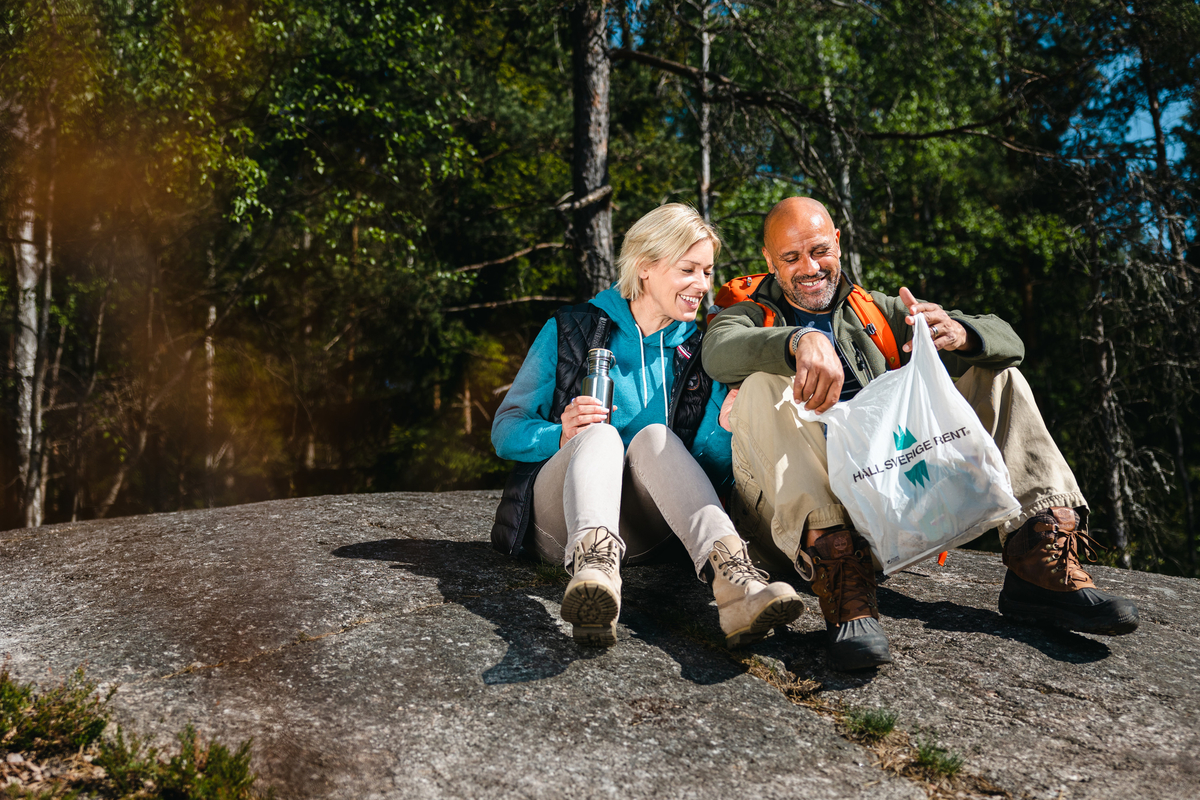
796, 212
803, 251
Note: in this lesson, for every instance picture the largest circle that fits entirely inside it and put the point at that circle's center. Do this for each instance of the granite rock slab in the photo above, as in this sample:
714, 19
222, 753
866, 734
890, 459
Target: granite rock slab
375, 646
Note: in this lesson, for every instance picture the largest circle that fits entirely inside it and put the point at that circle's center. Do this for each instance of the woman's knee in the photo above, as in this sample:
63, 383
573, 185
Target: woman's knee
600, 439
653, 441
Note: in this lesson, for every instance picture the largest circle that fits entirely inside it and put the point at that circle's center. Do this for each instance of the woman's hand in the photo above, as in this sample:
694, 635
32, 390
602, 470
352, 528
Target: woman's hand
726, 407
581, 412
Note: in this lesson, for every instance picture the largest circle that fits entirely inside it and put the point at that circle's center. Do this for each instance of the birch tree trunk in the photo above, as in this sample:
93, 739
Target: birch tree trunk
592, 205
33, 250
29, 275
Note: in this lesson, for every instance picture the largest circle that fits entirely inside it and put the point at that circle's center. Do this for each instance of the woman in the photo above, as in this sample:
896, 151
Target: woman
593, 495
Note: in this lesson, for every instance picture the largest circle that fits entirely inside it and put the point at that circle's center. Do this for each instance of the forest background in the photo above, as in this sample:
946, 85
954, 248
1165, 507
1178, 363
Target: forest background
273, 248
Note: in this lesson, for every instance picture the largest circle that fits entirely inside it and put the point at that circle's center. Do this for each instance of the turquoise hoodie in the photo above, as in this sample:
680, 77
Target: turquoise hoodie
642, 378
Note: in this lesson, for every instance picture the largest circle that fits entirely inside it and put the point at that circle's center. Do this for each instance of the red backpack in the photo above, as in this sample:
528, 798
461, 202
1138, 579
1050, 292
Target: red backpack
741, 289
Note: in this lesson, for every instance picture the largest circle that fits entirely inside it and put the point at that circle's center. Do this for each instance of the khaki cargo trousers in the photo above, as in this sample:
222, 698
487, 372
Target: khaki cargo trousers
782, 474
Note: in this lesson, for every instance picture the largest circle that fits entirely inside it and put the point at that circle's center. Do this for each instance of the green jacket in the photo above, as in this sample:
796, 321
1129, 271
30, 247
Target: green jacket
737, 345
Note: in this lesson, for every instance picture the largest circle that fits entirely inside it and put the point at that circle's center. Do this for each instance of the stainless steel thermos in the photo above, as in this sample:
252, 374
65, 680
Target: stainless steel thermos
597, 384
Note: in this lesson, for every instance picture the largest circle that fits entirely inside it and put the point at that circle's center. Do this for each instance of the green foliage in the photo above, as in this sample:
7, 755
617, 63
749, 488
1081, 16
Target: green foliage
128, 764
206, 772
198, 771
70, 717
552, 574
58, 720
936, 760
870, 724
362, 196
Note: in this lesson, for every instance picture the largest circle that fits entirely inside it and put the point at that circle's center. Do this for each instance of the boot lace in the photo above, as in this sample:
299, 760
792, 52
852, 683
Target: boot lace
849, 584
1067, 545
738, 569
600, 554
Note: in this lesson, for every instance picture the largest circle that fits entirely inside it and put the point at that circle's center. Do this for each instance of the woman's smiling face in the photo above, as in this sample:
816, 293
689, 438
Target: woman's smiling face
677, 290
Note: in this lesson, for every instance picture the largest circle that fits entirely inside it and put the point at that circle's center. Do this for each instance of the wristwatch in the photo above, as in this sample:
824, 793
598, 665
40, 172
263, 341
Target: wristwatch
794, 339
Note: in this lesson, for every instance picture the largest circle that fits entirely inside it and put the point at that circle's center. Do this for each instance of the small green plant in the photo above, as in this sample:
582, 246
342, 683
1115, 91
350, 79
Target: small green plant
48, 722
128, 764
871, 724
197, 772
67, 721
206, 772
937, 760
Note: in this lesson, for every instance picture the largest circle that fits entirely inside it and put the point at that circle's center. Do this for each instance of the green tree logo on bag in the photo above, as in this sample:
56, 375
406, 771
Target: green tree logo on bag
920, 473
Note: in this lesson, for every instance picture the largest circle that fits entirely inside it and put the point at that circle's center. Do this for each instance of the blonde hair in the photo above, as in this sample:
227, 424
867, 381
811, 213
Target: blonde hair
662, 236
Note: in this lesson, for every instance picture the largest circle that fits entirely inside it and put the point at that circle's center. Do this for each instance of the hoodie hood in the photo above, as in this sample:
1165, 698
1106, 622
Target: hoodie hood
617, 308
643, 368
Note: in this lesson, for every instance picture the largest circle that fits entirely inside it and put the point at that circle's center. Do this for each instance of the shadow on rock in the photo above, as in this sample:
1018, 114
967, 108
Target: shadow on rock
663, 605
668, 608
468, 574
1061, 645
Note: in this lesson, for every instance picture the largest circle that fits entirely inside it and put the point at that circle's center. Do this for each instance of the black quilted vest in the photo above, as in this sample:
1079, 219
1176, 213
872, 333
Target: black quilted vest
581, 328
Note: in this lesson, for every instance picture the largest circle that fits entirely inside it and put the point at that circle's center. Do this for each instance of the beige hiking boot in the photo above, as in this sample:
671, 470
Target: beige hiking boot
592, 601
749, 607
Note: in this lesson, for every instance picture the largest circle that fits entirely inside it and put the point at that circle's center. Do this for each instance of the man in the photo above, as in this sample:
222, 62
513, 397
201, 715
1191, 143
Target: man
782, 502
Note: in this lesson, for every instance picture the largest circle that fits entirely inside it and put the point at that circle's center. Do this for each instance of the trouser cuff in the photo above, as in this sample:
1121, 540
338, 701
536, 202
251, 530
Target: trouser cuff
1064, 500
827, 517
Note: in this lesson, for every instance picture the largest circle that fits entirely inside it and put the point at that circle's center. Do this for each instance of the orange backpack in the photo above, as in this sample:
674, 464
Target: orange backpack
741, 289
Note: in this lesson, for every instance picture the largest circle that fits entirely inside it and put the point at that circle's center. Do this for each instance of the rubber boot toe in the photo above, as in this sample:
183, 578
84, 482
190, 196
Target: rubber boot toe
1087, 610
858, 644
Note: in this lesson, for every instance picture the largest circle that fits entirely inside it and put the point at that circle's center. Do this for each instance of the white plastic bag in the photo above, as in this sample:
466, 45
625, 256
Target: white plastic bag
912, 463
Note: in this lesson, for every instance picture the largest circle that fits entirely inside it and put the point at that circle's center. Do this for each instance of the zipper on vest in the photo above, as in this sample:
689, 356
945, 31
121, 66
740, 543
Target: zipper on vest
861, 360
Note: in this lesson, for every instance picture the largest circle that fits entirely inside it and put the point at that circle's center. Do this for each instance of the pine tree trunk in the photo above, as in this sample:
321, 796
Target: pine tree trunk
1111, 431
706, 135
852, 262
592, 222
210, 393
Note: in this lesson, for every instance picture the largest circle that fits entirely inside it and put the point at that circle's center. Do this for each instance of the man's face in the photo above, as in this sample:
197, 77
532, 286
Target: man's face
803, 252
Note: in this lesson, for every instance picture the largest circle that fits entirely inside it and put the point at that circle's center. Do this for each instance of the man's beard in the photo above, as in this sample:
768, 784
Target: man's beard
819, 304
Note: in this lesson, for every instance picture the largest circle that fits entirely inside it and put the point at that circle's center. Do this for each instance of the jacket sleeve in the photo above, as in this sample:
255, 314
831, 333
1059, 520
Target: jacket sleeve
522, 430
1001, 347
736, 345
713, 447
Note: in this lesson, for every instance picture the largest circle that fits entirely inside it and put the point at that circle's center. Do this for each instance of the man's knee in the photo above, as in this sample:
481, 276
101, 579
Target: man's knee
757, 396
761, 387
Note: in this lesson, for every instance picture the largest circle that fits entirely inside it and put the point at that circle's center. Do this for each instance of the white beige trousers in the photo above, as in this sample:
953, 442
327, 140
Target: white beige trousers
654, 496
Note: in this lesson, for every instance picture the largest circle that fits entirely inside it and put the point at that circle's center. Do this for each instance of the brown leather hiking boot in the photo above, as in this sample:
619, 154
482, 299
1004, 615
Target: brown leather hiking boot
838, 566
1046, 584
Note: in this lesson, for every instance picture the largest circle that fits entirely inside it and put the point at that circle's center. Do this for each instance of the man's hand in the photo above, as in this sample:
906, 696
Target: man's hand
581, 412
947, 334
819, 375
